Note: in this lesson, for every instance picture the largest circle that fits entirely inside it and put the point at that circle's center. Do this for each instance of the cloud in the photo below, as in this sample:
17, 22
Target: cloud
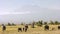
53, 7
6, 13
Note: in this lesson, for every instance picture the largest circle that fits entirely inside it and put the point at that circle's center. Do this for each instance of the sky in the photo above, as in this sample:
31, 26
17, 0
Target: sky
17, 11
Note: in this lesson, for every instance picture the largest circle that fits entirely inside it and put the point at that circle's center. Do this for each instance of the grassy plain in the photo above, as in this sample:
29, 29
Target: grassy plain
36, 30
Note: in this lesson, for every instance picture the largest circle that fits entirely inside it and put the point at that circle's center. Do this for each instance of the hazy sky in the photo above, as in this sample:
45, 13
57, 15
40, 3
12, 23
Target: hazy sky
29, 10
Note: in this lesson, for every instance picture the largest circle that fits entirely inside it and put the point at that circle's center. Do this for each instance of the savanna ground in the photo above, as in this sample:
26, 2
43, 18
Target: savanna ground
36, 30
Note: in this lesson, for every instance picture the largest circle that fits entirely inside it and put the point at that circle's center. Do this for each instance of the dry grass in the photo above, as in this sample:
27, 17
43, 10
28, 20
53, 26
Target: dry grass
36, 30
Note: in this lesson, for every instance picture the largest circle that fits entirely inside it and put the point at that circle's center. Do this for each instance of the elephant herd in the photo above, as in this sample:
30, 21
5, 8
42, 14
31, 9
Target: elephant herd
46, 27
24, 28
19, 29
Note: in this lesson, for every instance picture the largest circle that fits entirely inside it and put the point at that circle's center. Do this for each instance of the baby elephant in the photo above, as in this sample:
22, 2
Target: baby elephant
46, 27
58, 27
4, 27
26, 27
19, 29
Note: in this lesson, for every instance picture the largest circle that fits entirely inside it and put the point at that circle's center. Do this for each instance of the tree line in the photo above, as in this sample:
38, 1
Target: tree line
38, 23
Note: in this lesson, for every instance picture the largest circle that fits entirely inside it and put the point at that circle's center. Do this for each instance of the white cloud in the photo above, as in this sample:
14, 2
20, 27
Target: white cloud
27, 12
53, 7
6, 13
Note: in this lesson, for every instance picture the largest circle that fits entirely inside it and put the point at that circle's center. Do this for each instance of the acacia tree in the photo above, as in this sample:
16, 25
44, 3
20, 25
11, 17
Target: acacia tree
32, 25
51, 22
13, 24
45, 23
56, 22
9, 24
40, 23
22, 23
